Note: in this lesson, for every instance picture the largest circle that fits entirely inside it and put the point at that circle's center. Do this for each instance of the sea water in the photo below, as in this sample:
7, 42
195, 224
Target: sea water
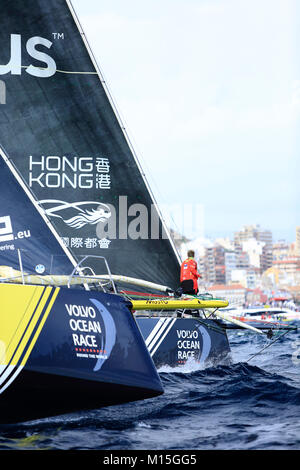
250, 404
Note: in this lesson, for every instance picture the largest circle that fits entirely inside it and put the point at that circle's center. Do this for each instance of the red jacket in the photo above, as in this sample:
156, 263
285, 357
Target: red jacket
189, 271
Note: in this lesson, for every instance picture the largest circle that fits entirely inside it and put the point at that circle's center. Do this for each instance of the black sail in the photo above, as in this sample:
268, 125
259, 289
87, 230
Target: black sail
27, 243
60, 128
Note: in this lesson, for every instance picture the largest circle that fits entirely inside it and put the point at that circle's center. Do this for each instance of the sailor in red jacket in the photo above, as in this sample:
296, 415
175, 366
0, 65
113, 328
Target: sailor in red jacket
189, 275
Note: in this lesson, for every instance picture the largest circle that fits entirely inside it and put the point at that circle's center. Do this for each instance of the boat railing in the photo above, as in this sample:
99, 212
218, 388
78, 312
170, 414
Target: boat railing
81, 274
79, 269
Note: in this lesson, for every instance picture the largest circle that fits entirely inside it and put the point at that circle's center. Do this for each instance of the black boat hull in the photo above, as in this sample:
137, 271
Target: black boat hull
173, 341
63, 350
36, 395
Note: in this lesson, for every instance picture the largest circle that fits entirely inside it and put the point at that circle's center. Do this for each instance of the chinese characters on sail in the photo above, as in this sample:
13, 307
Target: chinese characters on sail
102, 175
78, 242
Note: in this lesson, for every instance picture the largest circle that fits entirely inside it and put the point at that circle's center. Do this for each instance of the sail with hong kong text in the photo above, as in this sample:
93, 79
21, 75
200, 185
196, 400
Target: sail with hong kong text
61, 130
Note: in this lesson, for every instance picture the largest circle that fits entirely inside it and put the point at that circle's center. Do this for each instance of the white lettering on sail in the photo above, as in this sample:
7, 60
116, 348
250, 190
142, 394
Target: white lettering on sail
41, 56
5, 229
7, 234
88, 243
2, 92
61, 172
14, 66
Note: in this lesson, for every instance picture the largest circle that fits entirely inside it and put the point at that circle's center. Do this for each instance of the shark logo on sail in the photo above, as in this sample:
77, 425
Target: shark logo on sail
98, 212
15, 66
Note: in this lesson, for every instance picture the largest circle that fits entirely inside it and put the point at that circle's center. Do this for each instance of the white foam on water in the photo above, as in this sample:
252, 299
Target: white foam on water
190, 366
141, 424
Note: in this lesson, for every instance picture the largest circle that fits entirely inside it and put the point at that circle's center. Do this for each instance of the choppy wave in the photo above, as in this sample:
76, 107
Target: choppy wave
244, 405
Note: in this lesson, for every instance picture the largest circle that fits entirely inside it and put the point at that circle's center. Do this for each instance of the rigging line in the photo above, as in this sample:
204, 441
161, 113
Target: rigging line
62, 71
211, 314
268, 345
81, 73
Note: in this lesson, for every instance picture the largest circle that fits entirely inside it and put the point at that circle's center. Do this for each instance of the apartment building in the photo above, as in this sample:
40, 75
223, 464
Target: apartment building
264, 244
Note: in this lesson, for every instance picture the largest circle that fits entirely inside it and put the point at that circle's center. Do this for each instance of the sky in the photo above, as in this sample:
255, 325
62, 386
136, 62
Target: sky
209, 92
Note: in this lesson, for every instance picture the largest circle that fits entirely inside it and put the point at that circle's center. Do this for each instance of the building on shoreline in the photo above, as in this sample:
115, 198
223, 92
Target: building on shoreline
235, 293
250, 260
